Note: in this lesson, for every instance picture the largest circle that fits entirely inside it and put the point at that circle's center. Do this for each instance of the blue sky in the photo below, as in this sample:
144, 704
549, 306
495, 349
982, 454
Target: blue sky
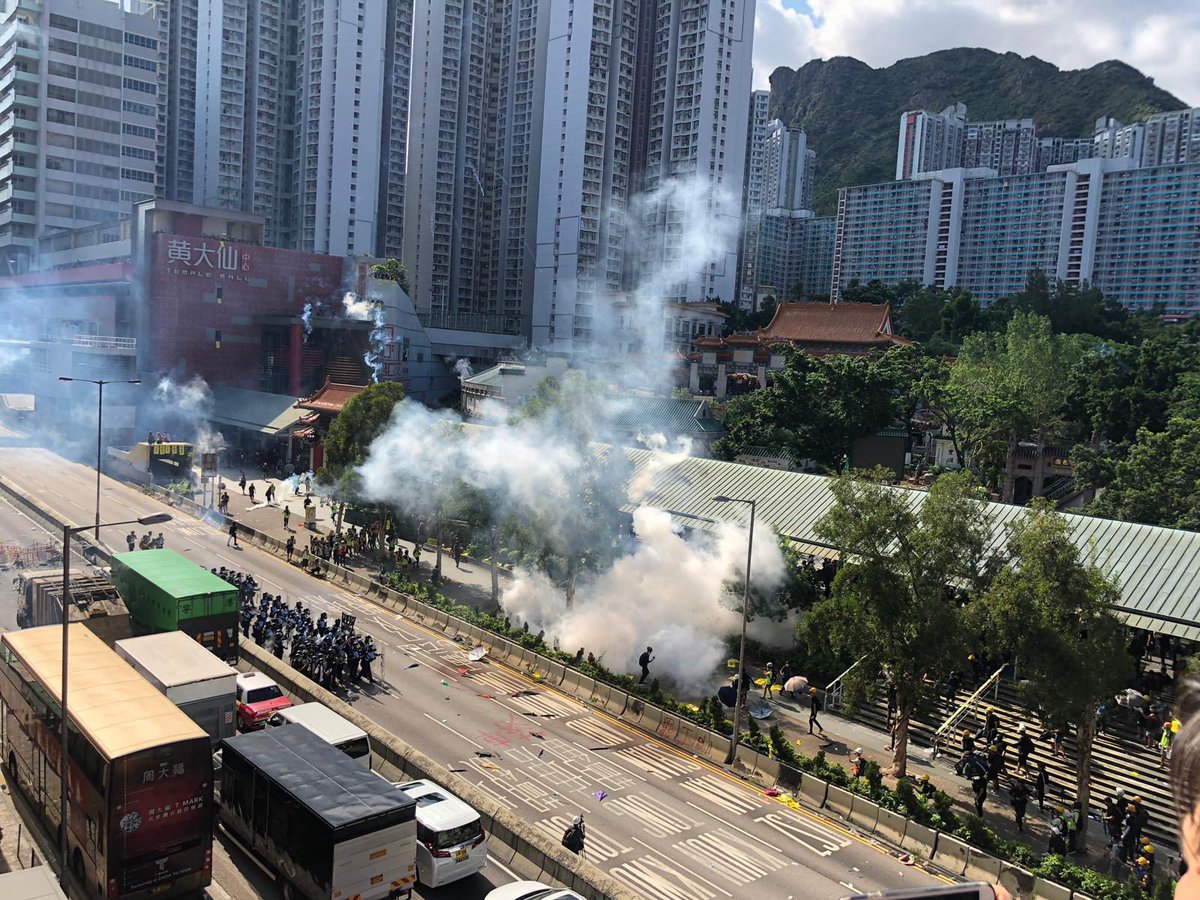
1159, 37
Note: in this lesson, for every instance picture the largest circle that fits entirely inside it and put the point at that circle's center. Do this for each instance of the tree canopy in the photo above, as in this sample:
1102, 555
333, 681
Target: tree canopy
1054, 611
361, 420
889, 603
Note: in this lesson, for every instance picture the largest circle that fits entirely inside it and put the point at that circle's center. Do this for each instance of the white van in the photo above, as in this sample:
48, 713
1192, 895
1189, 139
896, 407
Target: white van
330, 727
451, 842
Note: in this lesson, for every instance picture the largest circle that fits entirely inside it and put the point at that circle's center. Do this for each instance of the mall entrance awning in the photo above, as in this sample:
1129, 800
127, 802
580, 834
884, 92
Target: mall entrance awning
258, 411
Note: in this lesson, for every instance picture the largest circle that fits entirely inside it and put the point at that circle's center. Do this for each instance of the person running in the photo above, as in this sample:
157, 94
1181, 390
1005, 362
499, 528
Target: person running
644, 661
252, 494
233, 531
814, 709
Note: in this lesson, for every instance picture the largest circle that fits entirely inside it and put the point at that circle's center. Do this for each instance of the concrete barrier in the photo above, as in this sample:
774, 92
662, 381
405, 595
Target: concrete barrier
553, 673
611, 699
838, 800
668, 726
534, 854
638, 712
1048, 890
789, 778
747, 758
813, 791
1018, 881
919, 839
891, 826
439, 620
983, 867
768, 770
864, 813
396, 600
951, 854
572, 684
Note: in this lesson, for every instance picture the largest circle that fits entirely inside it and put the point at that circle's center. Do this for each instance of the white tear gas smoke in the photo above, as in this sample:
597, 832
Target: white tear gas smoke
310, 309
687, 228
668, 594
462, 368
184, 409
357, 307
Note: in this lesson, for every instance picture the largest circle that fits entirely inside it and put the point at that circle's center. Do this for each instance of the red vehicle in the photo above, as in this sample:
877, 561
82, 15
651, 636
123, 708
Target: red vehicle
258, 698
141, 778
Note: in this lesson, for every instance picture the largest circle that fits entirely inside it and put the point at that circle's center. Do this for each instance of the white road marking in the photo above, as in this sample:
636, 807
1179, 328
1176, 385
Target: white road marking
731, 857
731, 797
609, 760
653, 815
654, 760
435, 721
599, 844
599, 732
820, 840
690, 890
734, 827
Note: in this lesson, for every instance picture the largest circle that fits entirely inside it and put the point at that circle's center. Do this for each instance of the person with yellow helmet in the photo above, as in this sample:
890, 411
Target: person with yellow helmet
1058, 832
1148, 853
925, 787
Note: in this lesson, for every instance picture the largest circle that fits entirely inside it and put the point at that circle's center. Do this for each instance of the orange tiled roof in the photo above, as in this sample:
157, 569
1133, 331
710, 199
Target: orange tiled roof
831, 323
330, 397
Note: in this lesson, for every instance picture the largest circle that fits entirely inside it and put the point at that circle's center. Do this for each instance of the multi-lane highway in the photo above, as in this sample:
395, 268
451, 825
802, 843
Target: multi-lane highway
666, 824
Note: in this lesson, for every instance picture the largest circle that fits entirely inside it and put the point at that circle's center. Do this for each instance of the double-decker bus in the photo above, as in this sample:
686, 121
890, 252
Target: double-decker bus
141, 776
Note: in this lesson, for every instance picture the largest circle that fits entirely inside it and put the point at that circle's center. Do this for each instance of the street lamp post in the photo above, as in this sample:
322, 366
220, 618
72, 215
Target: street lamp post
64, 756
100, 383
741, 670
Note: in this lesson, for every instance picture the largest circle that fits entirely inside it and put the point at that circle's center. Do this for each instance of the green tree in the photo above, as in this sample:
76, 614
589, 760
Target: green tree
1054, 610
740, 320
890, 603
816, 408
920, 318
1156, 481
361, 420
1011, 385
798, 589
961, 316
391, 270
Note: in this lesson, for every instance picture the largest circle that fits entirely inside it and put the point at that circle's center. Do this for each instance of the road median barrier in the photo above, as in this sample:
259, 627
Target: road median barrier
951, 854
611, 699
1048, 890
813, 791
668, 726
549, 672
919, 839
576, 684
983, 867
891, 826
1018, 881
864, 813
789, 778
537, 855
838, 800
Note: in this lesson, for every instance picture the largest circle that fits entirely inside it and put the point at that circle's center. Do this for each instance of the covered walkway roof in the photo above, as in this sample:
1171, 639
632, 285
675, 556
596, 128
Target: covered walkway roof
254, 410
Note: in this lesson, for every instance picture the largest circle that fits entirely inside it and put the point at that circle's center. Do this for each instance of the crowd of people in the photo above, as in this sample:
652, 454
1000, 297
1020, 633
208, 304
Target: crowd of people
148, 541
330, 652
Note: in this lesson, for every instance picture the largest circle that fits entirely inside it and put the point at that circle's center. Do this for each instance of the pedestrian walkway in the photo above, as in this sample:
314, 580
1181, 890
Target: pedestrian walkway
470, 583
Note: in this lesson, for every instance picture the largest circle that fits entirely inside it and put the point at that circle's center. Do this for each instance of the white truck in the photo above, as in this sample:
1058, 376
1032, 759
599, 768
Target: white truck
189, 676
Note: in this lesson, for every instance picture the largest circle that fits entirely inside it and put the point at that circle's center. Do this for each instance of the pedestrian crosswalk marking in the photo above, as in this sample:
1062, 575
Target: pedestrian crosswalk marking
536, 702
599, 845
730, 797
658, 821
599, 732
805, 832
732, 857
656, 761
651, 876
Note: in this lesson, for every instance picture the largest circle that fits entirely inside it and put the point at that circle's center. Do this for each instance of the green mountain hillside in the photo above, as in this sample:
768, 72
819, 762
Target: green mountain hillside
852, 112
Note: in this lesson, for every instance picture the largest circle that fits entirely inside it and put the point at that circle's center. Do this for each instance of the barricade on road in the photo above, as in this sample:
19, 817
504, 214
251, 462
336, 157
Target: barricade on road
1018, 881
891, 826
611, 699
813, 791
919, 839
983, 867
668, 726
864, 813
439, 620
838, 800
551, 672
768, 770
1048, 890
516, 656
636, 710
747, 758
951, 854
789, 778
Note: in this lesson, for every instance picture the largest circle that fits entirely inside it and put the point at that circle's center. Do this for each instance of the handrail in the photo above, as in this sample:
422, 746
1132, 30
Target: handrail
833, 690
956, 717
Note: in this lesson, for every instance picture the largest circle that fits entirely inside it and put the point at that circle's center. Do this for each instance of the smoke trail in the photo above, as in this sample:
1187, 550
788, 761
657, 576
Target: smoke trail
462, 367
358, 308
182, 409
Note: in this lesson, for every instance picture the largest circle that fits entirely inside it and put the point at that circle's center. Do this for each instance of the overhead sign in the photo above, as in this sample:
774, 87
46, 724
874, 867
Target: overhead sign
207, 258
208, 464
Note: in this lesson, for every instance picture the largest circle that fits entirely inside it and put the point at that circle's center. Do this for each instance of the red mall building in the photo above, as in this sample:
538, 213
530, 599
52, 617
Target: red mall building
201, 295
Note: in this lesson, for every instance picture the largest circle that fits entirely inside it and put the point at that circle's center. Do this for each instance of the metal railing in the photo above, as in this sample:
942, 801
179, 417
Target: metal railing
487, 323
94, 341
833, 690
947, 728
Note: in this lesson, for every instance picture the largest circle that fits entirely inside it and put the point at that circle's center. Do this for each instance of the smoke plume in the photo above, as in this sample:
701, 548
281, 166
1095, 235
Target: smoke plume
183, 409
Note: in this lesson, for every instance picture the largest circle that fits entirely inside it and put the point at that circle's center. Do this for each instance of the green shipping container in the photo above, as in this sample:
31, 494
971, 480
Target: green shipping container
166, 592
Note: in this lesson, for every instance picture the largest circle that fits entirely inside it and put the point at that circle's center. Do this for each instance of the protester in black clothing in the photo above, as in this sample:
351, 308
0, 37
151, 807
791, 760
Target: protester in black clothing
575, 836
979, 788
1040, 781
1024, 748
233, 533
1018, 795
644, 661
814, 709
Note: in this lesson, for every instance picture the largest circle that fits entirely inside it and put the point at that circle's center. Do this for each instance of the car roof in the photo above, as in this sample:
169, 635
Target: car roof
323, 721
254, 679
440, 814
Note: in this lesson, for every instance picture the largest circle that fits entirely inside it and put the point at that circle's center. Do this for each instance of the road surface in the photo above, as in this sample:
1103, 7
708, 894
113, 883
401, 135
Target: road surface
670, 826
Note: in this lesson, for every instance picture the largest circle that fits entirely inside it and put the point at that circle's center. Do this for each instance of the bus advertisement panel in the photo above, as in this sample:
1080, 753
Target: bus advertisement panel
161, 828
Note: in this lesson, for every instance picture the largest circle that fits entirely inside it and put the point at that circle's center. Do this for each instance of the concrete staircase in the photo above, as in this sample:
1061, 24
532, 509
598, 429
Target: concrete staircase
1119, 760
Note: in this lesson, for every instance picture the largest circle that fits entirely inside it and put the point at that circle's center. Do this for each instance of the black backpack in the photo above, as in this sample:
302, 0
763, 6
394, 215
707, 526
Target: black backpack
572, 838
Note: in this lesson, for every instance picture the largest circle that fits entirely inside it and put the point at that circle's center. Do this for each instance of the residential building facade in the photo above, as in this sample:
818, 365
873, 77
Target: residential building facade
796, 254
930, 141
80, 140
1172, 137
1007, 145
1131, 232
753, 194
